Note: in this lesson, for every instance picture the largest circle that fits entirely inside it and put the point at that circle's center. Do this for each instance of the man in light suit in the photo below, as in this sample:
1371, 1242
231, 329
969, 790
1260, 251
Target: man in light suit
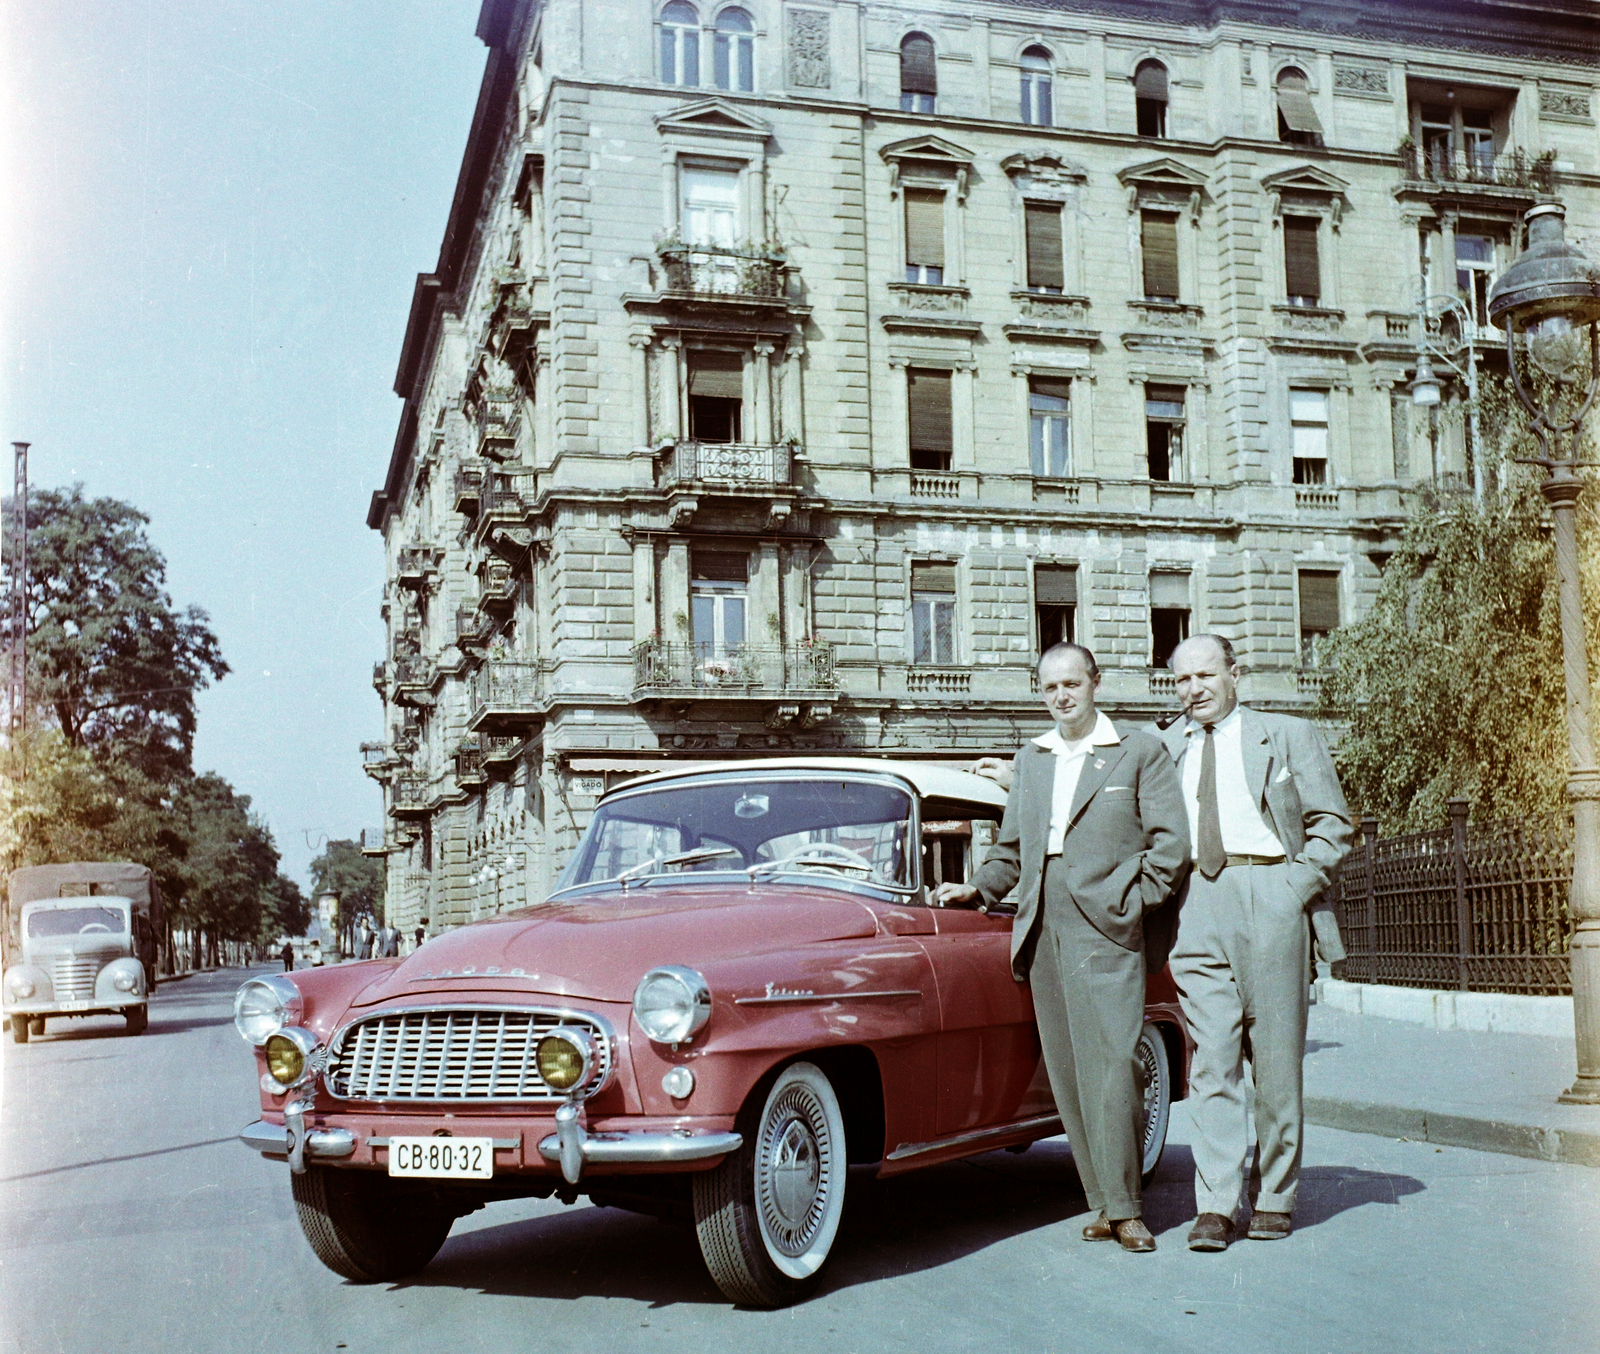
1269, 826
1096, 833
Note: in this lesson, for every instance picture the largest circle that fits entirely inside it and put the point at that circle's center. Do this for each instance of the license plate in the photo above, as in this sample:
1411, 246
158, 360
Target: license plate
73, 1005
442, 1158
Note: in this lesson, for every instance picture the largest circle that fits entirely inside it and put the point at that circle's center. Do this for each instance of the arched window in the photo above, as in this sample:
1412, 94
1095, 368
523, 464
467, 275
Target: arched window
919, 78
1150, 98
735, 51
1036, 111
1297, 117
680, 44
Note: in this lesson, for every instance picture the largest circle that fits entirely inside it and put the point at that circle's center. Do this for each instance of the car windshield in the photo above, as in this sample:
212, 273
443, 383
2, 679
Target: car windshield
849, 829
73, 921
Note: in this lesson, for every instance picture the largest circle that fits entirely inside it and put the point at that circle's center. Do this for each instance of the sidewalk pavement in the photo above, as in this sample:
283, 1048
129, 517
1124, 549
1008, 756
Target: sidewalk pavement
1461, 1088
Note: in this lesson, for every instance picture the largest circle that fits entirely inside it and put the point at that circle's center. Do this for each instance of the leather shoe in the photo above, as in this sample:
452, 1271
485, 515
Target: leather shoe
1211, 1232
1101, 1229
1269, 1226
1133, 1235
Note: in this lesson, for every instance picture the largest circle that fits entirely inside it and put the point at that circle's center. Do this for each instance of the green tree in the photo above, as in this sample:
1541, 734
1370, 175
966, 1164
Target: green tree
357, 879
231, 872
109, 656
287, 912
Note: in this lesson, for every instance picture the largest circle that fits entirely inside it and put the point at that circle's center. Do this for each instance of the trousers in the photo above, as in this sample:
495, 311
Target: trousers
1088, 998
1241, 963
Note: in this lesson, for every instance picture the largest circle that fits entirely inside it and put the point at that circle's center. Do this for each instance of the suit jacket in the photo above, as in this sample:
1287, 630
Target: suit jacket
1125, 849
1287, 765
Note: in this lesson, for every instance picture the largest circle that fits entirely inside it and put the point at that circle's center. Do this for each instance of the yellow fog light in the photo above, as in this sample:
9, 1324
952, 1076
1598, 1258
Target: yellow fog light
286, 1060
565, 1056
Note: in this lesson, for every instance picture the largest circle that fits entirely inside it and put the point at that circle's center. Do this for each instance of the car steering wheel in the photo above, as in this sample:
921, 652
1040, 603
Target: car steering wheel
826, 855
94, 926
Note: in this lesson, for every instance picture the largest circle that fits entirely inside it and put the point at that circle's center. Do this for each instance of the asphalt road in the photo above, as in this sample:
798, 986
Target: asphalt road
130, 1220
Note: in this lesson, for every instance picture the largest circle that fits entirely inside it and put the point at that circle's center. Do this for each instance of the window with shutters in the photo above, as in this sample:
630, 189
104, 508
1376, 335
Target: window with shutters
1298, 124
924, 235
680, 44
1049, 426
718, 594
1163, 431
931, 438
1158, 243
1302, 268
716, 395
919, 78
933, 613
1042, 229
1036, 99
734, 51
1308, 423
1319, 614
1150, 98
1169, 614
1055, 604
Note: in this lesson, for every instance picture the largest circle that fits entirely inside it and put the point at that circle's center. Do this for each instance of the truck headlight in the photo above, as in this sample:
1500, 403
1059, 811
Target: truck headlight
22, 989
565, 1057
289, 1055
264, 1006
671, 1003
125, 981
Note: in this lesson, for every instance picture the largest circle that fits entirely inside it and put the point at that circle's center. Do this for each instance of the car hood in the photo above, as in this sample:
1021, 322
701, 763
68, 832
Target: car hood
598, 948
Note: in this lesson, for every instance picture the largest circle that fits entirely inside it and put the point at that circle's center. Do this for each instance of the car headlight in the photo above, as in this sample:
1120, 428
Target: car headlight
22, 988
289, 1055
264, 1006
565, 1057
671, 1003
125, 981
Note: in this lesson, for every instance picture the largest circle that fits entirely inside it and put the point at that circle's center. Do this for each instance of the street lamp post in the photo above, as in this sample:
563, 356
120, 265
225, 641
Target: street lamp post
1425, 389
1548, 302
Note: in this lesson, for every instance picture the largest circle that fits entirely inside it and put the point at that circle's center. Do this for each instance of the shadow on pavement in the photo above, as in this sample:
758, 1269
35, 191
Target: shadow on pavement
113, 1027
1327, 1191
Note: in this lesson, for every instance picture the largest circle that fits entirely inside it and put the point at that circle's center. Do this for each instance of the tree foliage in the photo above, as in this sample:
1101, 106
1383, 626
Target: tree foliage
357, 879
1453, 683
108, 654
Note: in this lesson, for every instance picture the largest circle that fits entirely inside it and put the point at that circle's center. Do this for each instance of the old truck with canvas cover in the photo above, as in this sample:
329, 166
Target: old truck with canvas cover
80, 939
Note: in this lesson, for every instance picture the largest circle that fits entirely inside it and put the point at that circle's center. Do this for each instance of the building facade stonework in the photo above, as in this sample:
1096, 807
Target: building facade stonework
792, 373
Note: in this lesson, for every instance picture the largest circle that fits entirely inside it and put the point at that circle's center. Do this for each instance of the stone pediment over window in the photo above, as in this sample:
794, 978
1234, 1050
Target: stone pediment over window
714, 117
1307, 187
1045, 169
928, 157
1164, 183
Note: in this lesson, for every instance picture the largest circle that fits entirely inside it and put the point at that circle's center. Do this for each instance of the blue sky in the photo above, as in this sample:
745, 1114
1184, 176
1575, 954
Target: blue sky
212, 217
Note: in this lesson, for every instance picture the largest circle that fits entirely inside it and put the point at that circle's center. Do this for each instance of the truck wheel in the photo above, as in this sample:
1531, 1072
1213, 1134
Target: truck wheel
138, 1017
38, 1025
20, 1026
361, 1229
767, 1216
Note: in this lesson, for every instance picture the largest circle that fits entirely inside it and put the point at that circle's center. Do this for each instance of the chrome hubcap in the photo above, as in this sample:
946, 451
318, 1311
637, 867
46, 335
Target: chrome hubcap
794, 1172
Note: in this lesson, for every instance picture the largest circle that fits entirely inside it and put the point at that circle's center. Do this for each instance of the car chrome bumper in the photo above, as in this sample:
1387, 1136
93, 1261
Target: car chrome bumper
573, 1147
272, 1140
76, 1008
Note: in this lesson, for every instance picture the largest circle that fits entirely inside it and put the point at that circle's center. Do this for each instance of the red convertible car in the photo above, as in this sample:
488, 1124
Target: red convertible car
738, 989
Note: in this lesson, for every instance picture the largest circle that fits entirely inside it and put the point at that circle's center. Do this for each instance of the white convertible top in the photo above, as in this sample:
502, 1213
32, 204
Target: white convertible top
929, 779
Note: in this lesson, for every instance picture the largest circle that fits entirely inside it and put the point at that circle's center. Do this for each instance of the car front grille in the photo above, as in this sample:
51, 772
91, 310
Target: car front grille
73, 977
461, 1053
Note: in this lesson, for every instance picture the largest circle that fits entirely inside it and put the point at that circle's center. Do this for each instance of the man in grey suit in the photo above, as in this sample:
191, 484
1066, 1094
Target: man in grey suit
1269, 826
1096, 833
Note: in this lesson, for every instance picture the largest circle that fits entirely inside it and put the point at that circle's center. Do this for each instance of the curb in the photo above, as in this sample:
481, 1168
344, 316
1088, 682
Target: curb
1572, 1147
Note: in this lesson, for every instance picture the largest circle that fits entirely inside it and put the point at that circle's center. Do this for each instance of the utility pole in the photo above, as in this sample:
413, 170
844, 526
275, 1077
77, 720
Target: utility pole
18, 621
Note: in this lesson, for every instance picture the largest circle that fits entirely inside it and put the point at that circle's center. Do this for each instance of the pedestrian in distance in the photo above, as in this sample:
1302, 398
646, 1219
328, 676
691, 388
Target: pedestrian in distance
1269, 827
388, 942
422, 932
287, 955
1095, 831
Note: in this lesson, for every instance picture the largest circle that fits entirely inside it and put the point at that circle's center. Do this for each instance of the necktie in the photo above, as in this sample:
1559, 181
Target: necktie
1210, 856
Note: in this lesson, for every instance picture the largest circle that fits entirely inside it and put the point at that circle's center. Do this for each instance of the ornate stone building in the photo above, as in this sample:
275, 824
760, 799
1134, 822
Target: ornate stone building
793, 370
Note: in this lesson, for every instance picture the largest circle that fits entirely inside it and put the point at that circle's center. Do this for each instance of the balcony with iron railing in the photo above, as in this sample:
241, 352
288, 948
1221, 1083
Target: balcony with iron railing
410, 797
473, 627
506, 693
499, 419
1515, 171
500, 504
469, 482
722, 273
736, 465
747, 671
414, 677
498, 589
500, 749
470, 768
417, 564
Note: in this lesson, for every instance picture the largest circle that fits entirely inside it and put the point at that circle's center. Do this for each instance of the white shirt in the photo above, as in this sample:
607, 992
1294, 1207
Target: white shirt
1070, 758
1244, 831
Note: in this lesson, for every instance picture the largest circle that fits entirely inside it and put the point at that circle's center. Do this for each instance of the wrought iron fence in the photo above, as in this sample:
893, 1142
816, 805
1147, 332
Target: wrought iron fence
712, 270
1516, 169
508, 689
749, 668
1479, 908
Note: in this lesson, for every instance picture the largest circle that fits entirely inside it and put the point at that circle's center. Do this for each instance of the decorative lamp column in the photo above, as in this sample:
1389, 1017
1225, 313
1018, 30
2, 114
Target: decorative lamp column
1548, 303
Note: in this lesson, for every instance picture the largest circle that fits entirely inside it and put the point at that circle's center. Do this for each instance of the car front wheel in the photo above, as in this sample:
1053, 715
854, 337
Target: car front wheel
1157, 1072
362, 1228
767, 1216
